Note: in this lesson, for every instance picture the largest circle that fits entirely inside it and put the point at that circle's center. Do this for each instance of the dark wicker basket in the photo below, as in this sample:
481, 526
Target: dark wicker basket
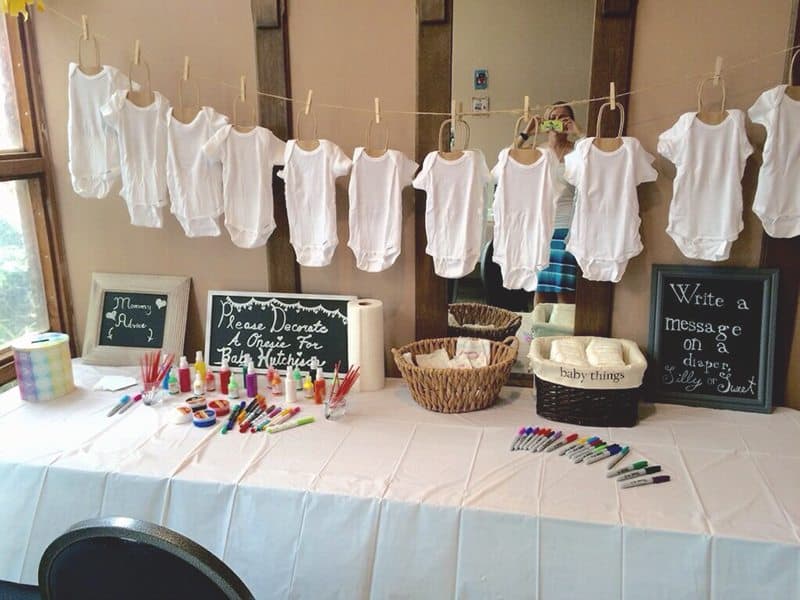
504, 322
597, 408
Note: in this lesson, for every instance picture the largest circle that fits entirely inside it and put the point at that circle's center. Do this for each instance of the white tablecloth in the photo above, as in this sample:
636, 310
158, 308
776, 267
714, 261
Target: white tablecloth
394, 501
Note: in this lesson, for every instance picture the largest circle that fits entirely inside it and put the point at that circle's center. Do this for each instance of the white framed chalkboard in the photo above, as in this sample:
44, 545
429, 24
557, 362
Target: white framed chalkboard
276, 329
130, 314
712, 333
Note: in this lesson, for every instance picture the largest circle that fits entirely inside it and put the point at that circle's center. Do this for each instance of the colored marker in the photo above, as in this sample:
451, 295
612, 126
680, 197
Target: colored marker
543, 440
563, 441
292, 425
645, 481
553, 438
587, 453
634, 474
622, 454
536, 438
572, 445
517, 438
609, 451
640, 464
529, 431
232, 417
590, 443
122, 402
136, 398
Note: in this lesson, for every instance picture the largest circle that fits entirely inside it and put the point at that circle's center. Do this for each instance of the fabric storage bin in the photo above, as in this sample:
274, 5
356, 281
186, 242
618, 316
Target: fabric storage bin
586, 394
547, 321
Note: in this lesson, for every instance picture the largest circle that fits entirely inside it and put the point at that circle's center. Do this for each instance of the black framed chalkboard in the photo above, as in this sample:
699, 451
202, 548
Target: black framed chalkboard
712, 334
276, 329
132, 319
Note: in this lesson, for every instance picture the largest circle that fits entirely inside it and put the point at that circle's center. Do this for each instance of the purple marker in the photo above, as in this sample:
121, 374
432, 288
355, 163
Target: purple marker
529, 433
555, 437
518, 437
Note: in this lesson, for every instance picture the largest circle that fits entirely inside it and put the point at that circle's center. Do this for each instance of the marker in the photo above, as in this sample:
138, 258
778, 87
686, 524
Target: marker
563, 441
622, 454
574, 444
292, 425
136, 398
537, 447
281, 418
645, 481
597, 446
634, 474
549, 441
609, 451
590, 443
641, 464
122, 402
529, 431
536, 438
232, 417
517, 438
584, 455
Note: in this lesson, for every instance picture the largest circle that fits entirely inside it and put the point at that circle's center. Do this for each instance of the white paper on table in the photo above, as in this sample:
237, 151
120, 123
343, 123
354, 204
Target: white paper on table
113, 383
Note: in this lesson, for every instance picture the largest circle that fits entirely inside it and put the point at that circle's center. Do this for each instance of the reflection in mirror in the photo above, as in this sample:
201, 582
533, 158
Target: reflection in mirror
502, 52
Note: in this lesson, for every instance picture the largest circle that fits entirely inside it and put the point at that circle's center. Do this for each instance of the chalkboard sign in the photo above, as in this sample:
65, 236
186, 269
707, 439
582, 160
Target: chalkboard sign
133, 320
711, 336
276, 329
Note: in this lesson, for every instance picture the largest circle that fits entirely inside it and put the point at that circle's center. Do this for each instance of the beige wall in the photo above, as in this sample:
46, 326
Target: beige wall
541, 49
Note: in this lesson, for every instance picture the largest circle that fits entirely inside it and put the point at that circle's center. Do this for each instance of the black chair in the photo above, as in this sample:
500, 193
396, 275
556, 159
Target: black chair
119, 558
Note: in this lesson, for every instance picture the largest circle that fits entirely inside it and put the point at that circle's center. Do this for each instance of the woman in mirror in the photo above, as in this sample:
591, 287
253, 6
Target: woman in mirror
556, 283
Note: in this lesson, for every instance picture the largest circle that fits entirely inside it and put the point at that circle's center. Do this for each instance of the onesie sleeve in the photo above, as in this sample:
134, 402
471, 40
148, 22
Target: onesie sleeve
643, 164
497, 169
407, 170
669, 142
214, 149
423, 179
218, 120
745, 148
483, 169
341, 164
111, 109
759, 112
277, 149
572, 165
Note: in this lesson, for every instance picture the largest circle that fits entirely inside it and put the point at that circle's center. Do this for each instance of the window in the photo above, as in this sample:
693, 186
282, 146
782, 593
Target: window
33, 291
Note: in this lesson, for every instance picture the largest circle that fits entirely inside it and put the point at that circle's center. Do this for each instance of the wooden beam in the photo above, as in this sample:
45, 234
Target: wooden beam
22, 167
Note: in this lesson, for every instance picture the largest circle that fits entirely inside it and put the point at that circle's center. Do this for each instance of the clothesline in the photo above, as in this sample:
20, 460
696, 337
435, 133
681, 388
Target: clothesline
509, 111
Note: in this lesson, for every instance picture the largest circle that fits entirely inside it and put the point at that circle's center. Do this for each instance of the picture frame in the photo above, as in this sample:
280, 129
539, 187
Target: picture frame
712, 336
130, 314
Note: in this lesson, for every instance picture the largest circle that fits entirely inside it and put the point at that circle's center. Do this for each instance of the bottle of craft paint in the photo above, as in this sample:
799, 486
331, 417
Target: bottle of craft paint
211, 384
291, 390
270, 374
172, 382
319, 387
199, 386
277, 387
233, 389
308, 388
184, 377
298, 379
165, 381
200, 365
250, 382
224, 377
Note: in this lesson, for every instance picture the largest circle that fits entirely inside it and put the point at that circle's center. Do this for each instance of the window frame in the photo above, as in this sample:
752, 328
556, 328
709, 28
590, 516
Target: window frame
33, 165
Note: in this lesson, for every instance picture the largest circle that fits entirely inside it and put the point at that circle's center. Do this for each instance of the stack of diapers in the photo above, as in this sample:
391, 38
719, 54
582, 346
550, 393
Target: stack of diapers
471, 353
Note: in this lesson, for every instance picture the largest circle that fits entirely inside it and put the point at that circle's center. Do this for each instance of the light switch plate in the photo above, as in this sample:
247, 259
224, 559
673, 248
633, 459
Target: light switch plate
480, 105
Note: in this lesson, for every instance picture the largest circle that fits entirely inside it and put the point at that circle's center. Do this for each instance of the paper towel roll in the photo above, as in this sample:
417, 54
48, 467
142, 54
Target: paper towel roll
365, 342
43, 366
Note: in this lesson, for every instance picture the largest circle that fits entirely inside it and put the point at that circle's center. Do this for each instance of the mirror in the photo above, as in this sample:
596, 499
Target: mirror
583, 66
503, 51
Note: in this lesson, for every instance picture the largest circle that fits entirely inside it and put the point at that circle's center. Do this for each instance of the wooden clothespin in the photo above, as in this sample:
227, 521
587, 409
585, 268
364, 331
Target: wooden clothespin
377, 111
308, 101
526, 108
717, 71
243, 88
612, 96
186, 68
453, 114
137, 52
85, 27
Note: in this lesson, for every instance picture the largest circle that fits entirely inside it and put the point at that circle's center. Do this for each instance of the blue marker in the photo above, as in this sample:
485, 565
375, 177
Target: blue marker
609, 451
122, 402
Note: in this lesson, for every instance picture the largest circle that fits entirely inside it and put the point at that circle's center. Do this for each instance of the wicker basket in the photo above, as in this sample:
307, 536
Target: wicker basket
456, 390
504, 322
598, 408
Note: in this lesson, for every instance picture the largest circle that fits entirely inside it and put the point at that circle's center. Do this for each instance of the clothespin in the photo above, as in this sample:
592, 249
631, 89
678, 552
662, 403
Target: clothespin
186, 68
377, 111
612, 96
526, 108
137, 52
308, 101
242, 89
85, 27
717, 71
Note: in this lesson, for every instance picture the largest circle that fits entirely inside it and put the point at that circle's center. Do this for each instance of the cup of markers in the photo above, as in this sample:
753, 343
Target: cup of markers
589, 450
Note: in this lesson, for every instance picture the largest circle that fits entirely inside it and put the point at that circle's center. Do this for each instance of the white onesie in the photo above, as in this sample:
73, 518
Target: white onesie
142, 138
92, 148
705, 215
247, 160
777, 201
194, 181
455, 211
376, 207
524, 212
604, 233
310, 177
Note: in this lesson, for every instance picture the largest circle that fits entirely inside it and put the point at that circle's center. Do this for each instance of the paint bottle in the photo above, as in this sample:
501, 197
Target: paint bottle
319, 387
291, 389
308, 388
199, 386
250, 382
184, 377
298, 379
313, 366
172, 382
270, 374
211, 384
224, 377
233, 389
165, 381
277, 388
199, 365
